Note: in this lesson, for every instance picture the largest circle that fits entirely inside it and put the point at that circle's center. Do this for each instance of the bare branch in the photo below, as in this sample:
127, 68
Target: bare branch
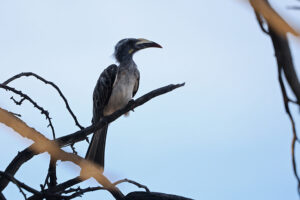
27, 154
78, 192
295, 138
50, 83
294, 7
153, 196
284, 62
2, 197
17, 102
25, 96
132, 182
42, 144
271, 16
19, 184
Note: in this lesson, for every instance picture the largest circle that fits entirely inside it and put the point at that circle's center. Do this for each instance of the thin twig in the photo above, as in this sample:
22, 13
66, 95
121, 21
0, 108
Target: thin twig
73, 149
50, 83
295, 138
19, 184
15, 114
25, 96
293, 7
78, 192
17, 102
132, 182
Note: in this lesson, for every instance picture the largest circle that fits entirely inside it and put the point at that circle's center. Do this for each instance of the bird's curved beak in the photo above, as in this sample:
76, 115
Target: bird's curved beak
143, 43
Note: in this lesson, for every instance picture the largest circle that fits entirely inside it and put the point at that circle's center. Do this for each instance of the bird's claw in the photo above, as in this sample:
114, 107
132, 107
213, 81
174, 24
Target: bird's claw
131, 102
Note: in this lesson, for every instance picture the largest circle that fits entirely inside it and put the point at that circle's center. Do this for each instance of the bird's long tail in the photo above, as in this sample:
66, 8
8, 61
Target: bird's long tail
96, 150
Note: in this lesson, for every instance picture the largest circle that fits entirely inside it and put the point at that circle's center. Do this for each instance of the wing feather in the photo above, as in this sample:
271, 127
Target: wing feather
136, 86
103, 91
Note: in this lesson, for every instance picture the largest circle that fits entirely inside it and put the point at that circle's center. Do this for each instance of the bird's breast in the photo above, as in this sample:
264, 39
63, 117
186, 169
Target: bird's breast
122, 92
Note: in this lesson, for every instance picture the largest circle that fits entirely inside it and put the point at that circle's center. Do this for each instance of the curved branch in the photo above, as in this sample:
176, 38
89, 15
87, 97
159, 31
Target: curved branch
132, 182
49, 83
25, 96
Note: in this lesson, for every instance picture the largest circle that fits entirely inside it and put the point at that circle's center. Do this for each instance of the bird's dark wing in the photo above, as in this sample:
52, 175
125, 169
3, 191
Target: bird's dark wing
103, 91
136, 86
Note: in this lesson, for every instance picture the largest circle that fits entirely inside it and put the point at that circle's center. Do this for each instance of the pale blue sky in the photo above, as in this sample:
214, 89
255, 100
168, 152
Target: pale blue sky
224, 135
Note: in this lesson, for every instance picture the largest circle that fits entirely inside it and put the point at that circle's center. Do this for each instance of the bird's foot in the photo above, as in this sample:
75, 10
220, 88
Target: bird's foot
131, 102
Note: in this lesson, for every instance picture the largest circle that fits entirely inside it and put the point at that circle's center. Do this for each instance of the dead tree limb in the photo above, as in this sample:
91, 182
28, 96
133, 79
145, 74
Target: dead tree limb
277, 30
19, 184
27, 154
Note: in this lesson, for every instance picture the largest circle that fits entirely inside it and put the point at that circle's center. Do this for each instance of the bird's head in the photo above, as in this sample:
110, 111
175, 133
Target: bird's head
127, 47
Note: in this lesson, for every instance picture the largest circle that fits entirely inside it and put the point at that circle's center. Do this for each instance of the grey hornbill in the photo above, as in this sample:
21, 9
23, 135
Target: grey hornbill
114, 89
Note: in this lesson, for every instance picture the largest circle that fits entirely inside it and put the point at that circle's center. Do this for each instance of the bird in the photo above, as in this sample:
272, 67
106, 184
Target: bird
115, 87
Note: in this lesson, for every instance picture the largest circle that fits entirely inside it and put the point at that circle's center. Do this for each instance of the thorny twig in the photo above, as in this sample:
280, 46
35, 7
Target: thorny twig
73, 149
50, 83
79, 192
25, 96
17, 102
132, 182
51, 167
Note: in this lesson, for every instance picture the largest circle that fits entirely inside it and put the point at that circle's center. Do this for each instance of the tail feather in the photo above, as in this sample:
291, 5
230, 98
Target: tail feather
96, 150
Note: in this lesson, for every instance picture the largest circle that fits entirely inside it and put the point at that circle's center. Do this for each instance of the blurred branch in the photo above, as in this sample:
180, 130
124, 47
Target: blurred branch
42, 144
2, 197
277, 30
275, 21
50, 83
294, 7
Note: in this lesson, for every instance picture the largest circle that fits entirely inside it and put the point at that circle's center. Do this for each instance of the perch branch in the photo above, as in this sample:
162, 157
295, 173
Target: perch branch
27, 154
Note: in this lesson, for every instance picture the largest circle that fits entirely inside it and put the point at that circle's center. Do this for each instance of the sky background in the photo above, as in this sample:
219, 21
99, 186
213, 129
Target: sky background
224, 135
